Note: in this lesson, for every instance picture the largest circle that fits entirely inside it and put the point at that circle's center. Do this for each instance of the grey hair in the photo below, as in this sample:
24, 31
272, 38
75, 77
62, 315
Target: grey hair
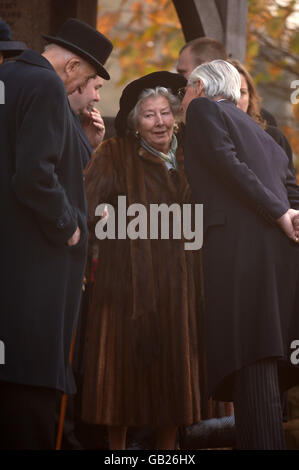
219, 78
65, 52
174, 103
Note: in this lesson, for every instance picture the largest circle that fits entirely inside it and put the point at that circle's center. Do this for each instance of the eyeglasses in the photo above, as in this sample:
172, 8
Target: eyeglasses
181, 92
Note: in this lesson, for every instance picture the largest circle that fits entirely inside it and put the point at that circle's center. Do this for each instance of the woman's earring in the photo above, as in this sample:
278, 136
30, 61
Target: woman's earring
176, 128
137, 134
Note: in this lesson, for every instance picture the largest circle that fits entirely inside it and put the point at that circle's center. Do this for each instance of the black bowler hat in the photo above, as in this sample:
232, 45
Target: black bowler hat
131, 93
8, 47
86, 42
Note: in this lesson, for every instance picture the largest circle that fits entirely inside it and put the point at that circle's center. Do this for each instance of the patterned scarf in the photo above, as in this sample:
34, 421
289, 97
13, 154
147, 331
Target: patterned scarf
169, 157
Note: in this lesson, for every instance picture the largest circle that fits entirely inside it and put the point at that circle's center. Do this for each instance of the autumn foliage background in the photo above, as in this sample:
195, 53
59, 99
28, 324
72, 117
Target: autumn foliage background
147, 37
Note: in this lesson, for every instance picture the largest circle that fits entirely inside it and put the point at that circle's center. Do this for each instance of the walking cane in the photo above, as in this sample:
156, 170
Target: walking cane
63, 403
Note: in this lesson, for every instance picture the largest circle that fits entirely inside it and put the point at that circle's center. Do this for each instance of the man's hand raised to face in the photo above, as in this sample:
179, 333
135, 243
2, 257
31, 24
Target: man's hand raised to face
94, 127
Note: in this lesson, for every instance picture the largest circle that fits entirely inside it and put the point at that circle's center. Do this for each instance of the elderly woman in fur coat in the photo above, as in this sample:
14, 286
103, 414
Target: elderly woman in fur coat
142, 364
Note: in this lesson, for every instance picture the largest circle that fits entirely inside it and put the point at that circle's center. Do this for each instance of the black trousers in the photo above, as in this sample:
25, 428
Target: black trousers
257, 405
27, 417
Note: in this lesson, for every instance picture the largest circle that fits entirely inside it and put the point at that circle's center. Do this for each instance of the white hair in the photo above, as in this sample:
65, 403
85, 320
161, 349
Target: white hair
173, 101
219, 78
61, 50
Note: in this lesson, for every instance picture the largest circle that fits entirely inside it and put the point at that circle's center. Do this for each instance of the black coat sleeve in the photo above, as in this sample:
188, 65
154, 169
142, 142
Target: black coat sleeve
41, 138
281, 139
291, 182
206, 130
293, 190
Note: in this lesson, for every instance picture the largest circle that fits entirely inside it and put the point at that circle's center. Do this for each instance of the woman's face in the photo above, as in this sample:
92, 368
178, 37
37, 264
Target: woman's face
155, 122
243, 102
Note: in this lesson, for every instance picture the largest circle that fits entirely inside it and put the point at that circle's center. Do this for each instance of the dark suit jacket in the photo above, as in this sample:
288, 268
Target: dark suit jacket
281, 139
251, 269
42, 202
269, 118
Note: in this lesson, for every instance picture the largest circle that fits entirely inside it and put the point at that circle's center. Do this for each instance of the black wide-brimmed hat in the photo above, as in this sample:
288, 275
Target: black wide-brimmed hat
86, 42
132, 91
8, 47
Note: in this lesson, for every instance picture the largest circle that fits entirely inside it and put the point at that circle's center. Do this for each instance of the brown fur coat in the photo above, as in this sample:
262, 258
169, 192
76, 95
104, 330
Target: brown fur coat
142, 365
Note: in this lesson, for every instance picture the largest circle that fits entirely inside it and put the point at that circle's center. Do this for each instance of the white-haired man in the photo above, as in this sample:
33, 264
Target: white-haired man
44, 236
250, 254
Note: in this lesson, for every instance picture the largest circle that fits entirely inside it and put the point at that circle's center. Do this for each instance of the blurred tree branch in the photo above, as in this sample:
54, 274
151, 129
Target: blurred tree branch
147, 37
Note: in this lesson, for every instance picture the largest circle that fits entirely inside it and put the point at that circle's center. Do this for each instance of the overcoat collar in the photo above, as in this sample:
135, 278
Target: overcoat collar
34, 58
82, 135
225, 101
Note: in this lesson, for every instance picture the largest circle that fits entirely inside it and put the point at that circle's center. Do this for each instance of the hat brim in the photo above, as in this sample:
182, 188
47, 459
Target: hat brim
12, 48
101, 71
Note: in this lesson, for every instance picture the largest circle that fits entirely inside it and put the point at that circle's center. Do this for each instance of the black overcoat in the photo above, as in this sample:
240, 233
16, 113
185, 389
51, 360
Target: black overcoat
251, 269
42, 202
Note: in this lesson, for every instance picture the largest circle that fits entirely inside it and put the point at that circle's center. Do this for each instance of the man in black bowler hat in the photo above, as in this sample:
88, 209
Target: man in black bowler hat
44, 233
8, 47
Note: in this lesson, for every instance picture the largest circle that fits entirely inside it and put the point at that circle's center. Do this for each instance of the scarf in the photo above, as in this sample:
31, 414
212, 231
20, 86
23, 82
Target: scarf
169, 157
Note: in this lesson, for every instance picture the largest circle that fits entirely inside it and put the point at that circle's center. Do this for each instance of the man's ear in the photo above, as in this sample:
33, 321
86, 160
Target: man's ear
72, 65
199, 87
